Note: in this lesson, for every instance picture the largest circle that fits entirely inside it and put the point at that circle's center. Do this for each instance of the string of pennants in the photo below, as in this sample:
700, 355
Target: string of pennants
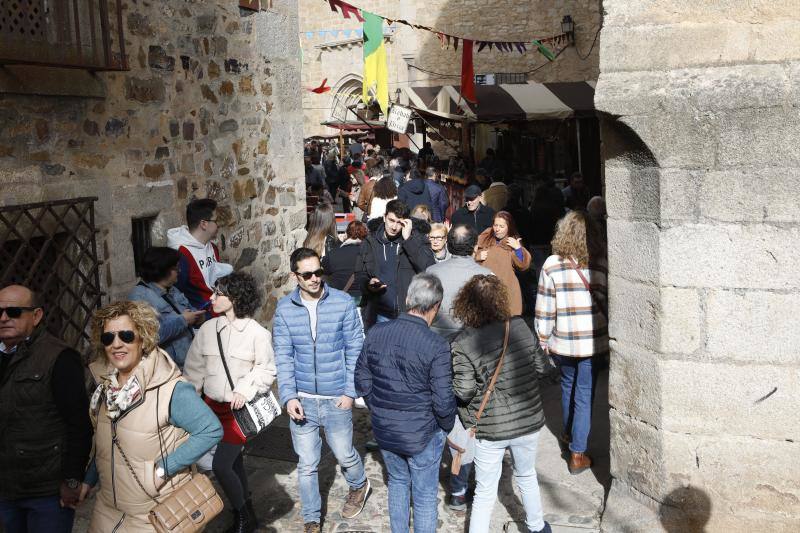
447, 40
334, 33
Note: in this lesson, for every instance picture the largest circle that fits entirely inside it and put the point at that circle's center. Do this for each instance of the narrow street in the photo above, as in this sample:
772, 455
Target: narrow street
572, 504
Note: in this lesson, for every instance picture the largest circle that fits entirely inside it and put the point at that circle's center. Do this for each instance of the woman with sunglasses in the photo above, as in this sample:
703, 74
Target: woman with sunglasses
150, 425
247, 351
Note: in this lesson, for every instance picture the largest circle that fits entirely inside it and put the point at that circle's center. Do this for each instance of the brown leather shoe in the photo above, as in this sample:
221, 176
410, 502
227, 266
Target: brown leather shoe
356, 499
311, 527
578, 462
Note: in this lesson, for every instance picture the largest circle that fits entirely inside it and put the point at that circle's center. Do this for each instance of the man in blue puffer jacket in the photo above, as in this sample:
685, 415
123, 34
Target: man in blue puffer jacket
317, 337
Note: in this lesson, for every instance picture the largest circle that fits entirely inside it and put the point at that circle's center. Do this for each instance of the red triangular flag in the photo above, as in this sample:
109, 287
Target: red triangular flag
455, 43
467, 73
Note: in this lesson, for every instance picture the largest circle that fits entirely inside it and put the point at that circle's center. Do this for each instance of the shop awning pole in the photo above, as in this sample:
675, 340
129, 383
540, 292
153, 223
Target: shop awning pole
578, 130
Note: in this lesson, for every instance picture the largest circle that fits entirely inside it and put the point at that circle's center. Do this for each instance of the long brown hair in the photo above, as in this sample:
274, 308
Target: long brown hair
578, 236
512, 226
321, 224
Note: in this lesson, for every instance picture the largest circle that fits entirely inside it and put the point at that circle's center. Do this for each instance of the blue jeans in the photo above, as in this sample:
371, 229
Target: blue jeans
578, 380
459, 483
35, 515
416, 475
338, 425
488, 467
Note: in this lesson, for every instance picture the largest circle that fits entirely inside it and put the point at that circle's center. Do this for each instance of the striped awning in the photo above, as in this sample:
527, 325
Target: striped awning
505, 103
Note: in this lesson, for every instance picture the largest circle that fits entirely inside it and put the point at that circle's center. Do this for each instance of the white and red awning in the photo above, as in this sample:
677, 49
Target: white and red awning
506, 103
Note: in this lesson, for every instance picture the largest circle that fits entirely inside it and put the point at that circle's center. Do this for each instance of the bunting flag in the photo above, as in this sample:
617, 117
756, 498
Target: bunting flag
544, 50
376, 73
346, 9
467, 73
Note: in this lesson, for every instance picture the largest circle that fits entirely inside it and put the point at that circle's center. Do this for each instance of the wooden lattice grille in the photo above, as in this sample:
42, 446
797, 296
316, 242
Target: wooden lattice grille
51, 248
66, 33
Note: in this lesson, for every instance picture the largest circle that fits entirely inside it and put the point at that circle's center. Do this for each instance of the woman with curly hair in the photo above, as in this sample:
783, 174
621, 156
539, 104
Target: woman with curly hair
383, 192
150, 426
513, 414
322, 236
571, 322
500, 250
247, 351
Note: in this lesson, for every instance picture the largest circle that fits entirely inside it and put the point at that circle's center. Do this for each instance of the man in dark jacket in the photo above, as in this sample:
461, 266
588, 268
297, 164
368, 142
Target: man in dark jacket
45, 431
405, 376
416, 191
390, 256
474, 213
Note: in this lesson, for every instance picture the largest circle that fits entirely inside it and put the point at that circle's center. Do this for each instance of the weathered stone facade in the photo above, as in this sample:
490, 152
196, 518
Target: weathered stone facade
513, 20
209, 108
701, 169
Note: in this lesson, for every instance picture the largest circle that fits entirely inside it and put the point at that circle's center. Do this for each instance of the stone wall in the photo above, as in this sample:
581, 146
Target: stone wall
514, 19
702, 162
209, 107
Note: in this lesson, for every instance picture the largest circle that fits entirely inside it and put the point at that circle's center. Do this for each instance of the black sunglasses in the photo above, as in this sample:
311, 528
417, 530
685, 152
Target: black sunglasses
15, 312
307, 275
127, 336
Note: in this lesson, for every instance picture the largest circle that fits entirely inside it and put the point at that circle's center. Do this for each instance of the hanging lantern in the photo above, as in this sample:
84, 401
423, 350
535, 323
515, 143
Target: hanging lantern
568, 28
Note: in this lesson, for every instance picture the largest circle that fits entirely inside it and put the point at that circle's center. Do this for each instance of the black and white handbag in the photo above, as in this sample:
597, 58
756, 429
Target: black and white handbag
258, 413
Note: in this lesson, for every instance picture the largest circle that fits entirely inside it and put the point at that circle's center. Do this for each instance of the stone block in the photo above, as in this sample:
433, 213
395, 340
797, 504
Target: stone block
633, 250
759, 138
631, 93
757, 195
772, 331
677, 140
681, 324
730, 256
634, 382
637, 454
144, 91
656, 12
679, 190
633, 312
632, 192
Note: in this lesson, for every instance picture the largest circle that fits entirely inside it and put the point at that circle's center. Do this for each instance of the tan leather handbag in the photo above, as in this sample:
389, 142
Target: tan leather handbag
188, 509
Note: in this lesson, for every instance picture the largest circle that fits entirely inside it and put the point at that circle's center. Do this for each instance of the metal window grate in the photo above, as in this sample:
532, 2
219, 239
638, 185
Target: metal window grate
141, 239
51, 248
507, 78
63, 33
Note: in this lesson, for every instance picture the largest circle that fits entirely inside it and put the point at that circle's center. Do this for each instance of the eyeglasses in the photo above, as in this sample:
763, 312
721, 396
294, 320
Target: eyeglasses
15, 312
307, 275
437, 237
214, 220
127, 336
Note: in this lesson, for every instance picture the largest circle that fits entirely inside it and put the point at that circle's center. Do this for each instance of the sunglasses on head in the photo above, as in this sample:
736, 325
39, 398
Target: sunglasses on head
127, 336
307, 275
15, 312
220, 291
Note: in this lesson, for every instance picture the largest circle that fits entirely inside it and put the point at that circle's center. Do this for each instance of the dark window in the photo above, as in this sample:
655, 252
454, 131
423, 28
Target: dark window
506, 78
141, 239
62, 33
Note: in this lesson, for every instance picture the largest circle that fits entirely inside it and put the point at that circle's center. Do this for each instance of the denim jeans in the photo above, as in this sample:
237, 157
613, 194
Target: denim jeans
459, 483
488, 467
578, 380
417, 476
338, 425
34, 515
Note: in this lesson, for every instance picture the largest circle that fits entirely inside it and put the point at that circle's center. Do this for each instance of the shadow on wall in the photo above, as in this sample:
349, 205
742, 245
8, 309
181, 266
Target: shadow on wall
685, 510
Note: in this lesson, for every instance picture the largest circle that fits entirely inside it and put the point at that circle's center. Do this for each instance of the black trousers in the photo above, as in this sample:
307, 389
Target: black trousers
228, 467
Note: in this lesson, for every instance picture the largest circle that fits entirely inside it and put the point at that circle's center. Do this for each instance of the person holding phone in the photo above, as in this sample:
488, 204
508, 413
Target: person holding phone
390, 257
500, 250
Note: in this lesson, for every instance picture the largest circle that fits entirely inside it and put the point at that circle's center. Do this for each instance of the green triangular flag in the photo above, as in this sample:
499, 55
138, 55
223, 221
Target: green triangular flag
544, 50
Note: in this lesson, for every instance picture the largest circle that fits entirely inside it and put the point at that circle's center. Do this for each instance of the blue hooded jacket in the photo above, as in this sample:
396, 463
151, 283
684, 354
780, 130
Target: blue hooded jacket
174, 335
324, 366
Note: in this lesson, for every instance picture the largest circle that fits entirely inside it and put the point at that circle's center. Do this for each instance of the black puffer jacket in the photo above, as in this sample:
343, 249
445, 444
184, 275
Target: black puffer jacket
515, 407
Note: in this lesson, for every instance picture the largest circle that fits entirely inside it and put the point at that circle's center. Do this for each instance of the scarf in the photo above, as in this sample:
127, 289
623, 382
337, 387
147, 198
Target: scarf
118, 399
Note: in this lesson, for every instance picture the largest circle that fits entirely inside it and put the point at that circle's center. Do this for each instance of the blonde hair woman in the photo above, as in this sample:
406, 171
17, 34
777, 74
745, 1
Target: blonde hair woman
150, 425
438, 238
571, 322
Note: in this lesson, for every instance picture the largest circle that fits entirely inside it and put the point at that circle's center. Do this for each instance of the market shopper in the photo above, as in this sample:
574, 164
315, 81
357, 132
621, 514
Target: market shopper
317, 337
576, 194
45, 432
439, 200
383, 192
199, 267
176, 317
249, 364
571, 322
496, 196
150, 425
404, 375
322, 236
340, 265
493, 343
473, 213
500, 250
438, 240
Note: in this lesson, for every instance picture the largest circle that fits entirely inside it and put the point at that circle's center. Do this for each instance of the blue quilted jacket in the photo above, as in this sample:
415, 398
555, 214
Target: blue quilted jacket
325, 366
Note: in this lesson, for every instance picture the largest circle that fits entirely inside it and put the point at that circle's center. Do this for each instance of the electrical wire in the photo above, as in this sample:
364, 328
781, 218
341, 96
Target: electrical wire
594, 42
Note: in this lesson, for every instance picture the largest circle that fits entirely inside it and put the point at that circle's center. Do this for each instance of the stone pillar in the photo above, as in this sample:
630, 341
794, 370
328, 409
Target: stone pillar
702, 146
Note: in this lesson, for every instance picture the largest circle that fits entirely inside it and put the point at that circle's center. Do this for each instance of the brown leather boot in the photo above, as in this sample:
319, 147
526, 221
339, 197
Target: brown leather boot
578, 462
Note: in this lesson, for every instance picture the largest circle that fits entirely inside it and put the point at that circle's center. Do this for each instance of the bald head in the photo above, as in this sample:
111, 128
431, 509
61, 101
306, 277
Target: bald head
461, 240
24, 305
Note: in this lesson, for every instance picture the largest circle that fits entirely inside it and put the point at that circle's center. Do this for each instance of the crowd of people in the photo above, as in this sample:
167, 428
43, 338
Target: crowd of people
420, 318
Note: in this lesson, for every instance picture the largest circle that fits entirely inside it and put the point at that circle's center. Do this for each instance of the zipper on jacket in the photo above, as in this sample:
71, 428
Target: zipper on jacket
314, 340
113, 451
116, 528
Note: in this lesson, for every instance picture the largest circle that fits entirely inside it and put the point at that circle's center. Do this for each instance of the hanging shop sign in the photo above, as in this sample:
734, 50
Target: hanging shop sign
399, 117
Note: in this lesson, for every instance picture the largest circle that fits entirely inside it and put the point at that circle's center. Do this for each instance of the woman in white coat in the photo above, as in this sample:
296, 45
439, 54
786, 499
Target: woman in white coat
247, 350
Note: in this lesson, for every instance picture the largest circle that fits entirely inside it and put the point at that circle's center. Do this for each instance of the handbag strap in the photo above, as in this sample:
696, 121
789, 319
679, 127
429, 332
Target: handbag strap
133, 472
174, 307
577, 269
222, 356
493, 381
349, 282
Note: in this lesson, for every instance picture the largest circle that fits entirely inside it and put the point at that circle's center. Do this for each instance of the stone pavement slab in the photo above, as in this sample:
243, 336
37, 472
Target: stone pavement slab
572, 504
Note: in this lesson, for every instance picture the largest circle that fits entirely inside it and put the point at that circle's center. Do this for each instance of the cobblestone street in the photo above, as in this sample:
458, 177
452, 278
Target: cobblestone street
571, 503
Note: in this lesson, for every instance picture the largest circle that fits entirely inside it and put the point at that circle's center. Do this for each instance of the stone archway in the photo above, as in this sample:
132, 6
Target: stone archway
346, 92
